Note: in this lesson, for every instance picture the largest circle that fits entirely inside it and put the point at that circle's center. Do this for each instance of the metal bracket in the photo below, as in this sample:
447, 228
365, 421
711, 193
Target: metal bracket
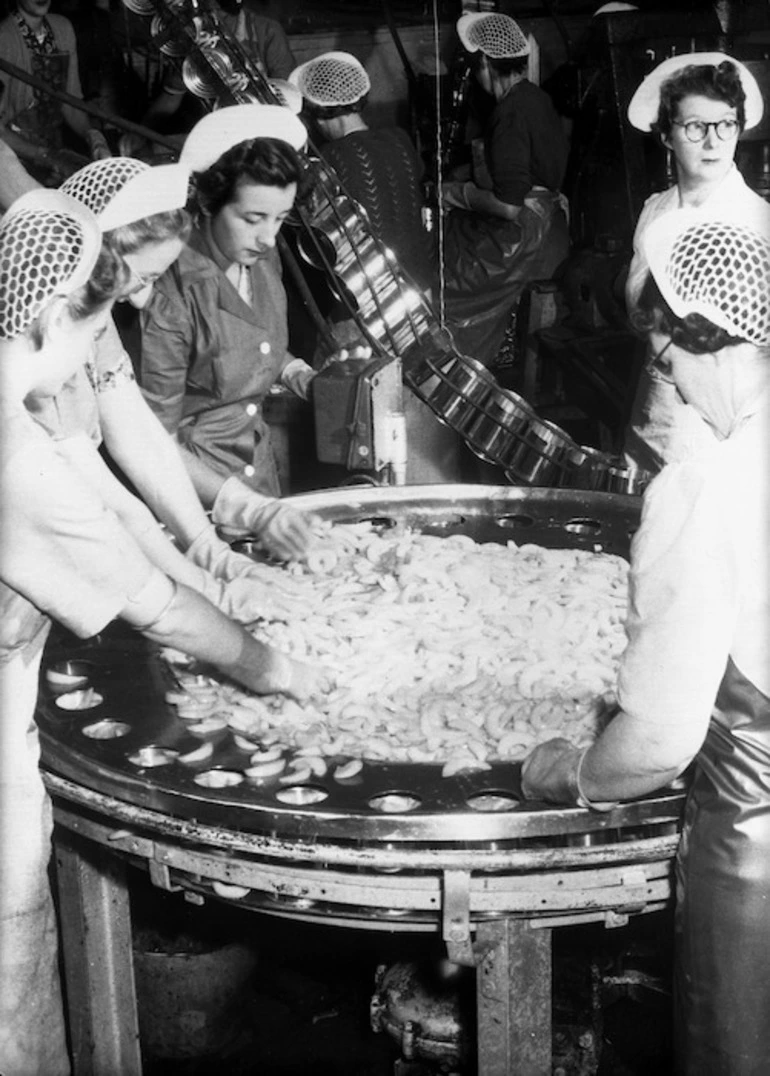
456, 917
161, 877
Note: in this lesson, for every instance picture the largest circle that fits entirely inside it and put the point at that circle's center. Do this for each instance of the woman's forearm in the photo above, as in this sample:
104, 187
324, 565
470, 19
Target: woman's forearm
630, 759
191, 624
152, 459
483, 201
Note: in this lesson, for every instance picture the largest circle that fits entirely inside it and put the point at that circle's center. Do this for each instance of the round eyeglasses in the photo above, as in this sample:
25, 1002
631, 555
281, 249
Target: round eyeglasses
696, 130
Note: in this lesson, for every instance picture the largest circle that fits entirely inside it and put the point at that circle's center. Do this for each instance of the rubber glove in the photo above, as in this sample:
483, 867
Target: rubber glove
302, 681
247, 599
298, 376
208, 551
549, 772
454, 195
284, 532
248, 589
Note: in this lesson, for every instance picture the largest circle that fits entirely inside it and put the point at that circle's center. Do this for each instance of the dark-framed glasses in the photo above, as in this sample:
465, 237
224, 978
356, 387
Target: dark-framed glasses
696, 130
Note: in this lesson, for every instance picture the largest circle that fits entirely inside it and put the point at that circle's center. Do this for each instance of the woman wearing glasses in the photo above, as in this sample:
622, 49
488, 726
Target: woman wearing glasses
698, 105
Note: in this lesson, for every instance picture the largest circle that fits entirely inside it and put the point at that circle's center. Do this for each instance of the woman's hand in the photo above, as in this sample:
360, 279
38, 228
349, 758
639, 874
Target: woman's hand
454, 195
308, 681
285, 532
549, 772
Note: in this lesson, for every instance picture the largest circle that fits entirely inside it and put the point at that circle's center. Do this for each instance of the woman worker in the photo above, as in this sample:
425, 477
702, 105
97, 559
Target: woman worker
140, 210
34, 123
380, 169
694, 680
214, 334
508, 224
697, 104
65, 556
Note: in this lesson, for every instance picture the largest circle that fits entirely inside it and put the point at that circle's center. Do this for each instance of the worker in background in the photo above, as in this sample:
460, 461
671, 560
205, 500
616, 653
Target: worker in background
506, 225
175, 110
380, 169
697, 104
66, 556
694, 679
214, 334
37, 126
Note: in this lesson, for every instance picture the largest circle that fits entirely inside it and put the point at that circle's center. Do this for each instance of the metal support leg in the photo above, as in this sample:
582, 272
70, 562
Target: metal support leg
513, 999
98, 959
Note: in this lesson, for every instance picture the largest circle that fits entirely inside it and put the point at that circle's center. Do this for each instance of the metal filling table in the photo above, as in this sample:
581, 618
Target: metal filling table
397, 848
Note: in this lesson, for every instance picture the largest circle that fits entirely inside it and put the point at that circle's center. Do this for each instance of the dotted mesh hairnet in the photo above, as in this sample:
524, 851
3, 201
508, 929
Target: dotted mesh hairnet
334, 79
97, 183
497, 36
40, 252
722, 271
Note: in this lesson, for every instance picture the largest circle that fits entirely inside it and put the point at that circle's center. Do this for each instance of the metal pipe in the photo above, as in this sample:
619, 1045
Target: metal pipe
84, 106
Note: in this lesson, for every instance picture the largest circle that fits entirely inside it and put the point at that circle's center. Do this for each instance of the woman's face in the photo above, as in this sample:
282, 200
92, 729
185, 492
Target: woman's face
66, 346
714, 384
703, 163
247, 227
34, 9
146, 265
483, 74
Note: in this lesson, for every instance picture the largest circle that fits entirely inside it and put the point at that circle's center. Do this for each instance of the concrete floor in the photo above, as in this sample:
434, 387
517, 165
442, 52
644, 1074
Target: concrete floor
304, 1006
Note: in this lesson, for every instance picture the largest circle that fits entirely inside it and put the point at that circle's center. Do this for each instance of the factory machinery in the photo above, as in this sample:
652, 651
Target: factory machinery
397, 847
355, 408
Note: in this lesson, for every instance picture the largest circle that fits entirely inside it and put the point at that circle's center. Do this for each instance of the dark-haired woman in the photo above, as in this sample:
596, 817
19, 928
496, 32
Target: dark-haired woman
508, 224
215, 334
694, 680
698, 105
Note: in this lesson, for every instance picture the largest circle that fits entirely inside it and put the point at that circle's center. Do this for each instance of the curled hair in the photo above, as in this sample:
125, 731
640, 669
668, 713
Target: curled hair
720, 82
110, 276
160, 227
694, 332
267, 162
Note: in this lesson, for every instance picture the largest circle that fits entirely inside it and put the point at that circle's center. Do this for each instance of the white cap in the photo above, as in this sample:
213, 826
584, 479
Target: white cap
219, 131
332, 79
614, 7
498, 36
122, 190
49, 243
718, 268
644, 106
288, 95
